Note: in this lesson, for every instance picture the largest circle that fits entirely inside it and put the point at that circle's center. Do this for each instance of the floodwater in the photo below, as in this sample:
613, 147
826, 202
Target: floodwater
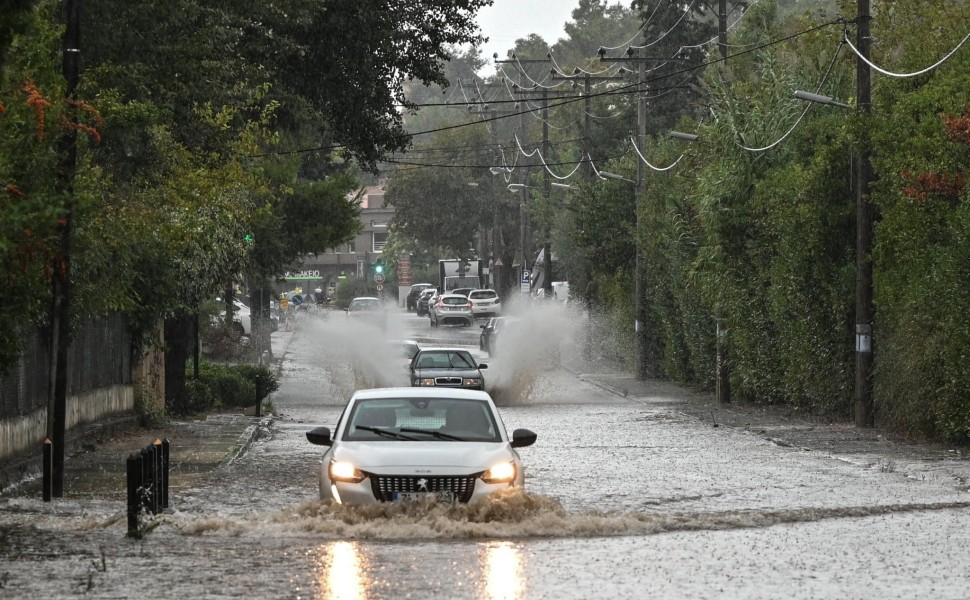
626, 497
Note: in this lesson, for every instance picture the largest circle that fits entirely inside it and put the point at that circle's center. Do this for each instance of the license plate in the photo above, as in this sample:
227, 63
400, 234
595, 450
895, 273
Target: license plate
444, 496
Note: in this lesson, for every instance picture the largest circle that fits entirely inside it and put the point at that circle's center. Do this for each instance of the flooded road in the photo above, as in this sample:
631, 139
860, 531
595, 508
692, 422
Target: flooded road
628, 496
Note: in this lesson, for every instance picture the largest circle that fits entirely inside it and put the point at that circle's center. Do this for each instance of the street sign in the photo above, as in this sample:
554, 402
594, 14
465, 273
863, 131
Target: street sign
380, 288
526, 276
379, 278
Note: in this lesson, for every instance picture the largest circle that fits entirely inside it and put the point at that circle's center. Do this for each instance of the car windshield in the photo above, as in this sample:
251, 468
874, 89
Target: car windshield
365, 304
445, 359
421, 419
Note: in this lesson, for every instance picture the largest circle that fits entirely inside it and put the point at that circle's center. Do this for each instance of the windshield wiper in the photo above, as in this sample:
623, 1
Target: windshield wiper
385, 432
432, 432
467, 364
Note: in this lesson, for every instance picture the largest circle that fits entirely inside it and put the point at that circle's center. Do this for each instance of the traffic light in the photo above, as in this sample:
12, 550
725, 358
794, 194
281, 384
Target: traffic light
379, 266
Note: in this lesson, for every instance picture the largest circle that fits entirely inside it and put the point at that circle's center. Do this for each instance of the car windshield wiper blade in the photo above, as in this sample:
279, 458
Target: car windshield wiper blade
385, 432
432, 432
467, 364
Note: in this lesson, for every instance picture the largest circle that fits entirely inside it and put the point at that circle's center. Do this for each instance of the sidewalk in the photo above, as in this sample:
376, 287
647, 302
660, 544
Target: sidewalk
97, 466
786, 427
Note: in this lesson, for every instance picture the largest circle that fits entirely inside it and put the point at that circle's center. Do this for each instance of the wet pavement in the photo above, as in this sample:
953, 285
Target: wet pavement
634, 489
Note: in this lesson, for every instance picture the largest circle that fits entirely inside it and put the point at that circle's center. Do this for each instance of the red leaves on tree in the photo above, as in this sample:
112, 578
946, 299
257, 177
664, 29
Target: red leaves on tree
923, 186
40, 105
13, 190
958, 127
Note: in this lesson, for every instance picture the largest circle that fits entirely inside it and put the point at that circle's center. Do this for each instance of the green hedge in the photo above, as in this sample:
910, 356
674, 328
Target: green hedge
228, 386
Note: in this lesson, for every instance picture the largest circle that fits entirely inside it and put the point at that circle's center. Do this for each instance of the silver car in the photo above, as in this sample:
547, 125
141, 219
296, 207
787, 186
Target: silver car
451, 309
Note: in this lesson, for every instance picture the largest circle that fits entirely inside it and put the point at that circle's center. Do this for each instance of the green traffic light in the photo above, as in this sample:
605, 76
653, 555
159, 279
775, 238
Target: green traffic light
379, 268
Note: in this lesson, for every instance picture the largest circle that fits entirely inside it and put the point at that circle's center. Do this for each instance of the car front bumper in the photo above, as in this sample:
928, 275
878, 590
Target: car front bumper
364, 492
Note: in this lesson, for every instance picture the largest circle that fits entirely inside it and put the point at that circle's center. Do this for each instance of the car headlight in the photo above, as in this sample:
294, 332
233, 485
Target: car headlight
500, 473
345, 471
471, 382
426, 381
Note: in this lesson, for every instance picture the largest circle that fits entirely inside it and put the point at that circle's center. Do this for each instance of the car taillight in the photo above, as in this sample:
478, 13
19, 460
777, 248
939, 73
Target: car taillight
498, 301
469, 304
440, 304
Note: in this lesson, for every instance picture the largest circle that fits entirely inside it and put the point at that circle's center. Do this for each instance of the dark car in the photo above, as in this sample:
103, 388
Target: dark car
496, 326
446, 367
411, 302
421, 308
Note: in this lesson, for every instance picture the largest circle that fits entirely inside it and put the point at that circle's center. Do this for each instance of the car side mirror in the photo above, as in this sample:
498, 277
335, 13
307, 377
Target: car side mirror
321, 436
481, 327
483, 366
520, 438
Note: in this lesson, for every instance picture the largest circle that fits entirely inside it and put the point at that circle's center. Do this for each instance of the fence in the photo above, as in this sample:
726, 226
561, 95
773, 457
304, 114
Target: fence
99, 356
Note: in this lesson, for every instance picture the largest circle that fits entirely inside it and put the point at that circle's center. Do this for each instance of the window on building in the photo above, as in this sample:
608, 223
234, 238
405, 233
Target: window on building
352, 247
380, 238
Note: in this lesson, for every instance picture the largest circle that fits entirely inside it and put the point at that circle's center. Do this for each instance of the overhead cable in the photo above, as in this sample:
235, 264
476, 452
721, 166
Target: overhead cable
845, 39
673, 27
818, 88
626, 44
647, 162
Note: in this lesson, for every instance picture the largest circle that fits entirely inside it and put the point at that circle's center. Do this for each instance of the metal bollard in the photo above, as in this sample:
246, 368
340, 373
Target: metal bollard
157, 468
166, 446
134, 470
48, 468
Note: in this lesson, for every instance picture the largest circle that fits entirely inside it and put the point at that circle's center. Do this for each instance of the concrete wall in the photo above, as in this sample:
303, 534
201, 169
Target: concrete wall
20, 434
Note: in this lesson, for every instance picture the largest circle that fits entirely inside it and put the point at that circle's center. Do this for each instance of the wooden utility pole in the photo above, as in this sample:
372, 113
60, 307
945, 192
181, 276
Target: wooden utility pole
864, 310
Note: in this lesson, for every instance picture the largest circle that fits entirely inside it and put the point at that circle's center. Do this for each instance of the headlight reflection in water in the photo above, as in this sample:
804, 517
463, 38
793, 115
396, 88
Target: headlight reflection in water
341, 569
502, 571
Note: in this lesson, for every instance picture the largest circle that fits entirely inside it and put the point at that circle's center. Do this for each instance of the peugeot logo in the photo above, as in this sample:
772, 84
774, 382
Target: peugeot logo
422, 485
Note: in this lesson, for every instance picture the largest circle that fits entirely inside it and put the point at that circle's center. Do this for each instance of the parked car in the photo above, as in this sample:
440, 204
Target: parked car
421, 308
485, 303
367, 309
406, 444
446, 367
411, 301
451, 309
496, 326
241, 317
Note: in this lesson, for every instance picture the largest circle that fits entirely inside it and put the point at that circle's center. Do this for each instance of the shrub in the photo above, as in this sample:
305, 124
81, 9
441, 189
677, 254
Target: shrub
228, 386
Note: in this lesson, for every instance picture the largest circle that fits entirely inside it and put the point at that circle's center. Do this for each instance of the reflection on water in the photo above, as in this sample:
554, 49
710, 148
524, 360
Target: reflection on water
502, 571
342, 572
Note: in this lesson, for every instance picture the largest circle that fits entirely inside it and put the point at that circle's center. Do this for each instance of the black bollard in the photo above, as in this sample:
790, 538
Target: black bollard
157, 496
48, 468
259, 398
134, 470
166, 447
144, 493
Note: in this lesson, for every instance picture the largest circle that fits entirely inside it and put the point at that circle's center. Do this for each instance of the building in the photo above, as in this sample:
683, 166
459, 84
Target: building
324, 271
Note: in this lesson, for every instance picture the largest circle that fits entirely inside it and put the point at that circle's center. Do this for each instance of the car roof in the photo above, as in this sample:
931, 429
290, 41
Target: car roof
420, 392
444, 349
454, 296
366, 298
414, 285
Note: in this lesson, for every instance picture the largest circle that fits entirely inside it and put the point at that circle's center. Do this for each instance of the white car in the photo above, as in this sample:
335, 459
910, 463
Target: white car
450, 309
485, 303
401, 444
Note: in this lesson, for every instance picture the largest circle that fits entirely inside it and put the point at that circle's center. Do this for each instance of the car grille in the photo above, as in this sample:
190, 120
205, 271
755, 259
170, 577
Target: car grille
383, 486
447, 380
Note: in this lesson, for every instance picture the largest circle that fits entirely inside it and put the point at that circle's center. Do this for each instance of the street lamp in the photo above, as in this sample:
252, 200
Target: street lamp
820, 99
609, 175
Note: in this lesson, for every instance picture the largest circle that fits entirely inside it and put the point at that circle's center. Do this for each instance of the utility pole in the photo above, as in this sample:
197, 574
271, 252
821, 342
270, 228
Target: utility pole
496, 250
61, 287
864, 310
643, 366
722, 29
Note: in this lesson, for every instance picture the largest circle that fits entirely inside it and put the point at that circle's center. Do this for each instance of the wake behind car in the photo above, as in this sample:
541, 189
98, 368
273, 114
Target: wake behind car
403, 444
446, 367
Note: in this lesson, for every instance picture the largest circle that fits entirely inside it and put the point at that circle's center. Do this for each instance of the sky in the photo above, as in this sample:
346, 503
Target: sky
508, 20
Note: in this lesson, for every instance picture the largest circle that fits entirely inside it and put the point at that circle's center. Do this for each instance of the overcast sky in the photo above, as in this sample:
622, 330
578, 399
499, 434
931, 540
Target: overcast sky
508, 20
